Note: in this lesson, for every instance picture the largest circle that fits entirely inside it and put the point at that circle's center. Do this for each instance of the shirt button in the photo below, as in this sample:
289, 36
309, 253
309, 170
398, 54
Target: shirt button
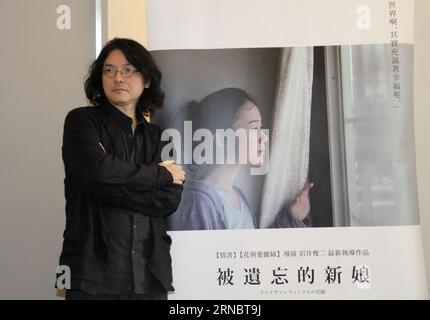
134, 226
133, 252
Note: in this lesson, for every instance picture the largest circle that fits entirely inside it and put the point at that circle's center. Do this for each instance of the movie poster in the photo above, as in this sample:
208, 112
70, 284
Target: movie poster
293, 121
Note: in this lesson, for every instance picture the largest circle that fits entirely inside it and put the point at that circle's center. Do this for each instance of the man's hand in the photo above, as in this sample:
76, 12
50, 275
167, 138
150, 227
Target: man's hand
301, 206
175, 170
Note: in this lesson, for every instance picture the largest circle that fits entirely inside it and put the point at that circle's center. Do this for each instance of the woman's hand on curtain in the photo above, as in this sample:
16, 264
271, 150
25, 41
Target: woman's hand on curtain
301, 206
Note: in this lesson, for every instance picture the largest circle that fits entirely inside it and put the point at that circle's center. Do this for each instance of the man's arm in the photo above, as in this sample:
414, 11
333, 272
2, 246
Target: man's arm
103, 174
158, 203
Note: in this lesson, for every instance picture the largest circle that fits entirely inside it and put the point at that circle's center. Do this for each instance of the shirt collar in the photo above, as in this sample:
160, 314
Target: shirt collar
121, 117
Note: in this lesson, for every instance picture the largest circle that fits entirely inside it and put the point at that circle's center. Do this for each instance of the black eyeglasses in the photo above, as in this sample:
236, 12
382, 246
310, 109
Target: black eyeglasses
126, 71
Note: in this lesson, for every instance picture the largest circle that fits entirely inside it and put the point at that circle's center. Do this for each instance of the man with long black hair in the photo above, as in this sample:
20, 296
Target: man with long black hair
118, 190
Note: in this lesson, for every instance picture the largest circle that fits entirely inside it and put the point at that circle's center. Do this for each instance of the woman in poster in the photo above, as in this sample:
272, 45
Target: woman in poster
210, 199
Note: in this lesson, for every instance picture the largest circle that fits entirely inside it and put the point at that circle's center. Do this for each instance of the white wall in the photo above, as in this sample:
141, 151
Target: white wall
422, 118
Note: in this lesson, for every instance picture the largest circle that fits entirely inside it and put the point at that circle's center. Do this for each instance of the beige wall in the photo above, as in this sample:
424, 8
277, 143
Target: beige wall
422, 118
126, 21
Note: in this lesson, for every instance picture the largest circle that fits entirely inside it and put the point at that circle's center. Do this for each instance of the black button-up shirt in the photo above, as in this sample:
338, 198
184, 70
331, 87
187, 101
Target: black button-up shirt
117, 198
129, 238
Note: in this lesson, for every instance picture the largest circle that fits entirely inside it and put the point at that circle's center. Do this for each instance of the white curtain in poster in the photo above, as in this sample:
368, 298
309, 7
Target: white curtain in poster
289, 157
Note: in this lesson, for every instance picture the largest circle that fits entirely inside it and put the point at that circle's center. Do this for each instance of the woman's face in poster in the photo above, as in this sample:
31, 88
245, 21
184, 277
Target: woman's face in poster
249, 119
